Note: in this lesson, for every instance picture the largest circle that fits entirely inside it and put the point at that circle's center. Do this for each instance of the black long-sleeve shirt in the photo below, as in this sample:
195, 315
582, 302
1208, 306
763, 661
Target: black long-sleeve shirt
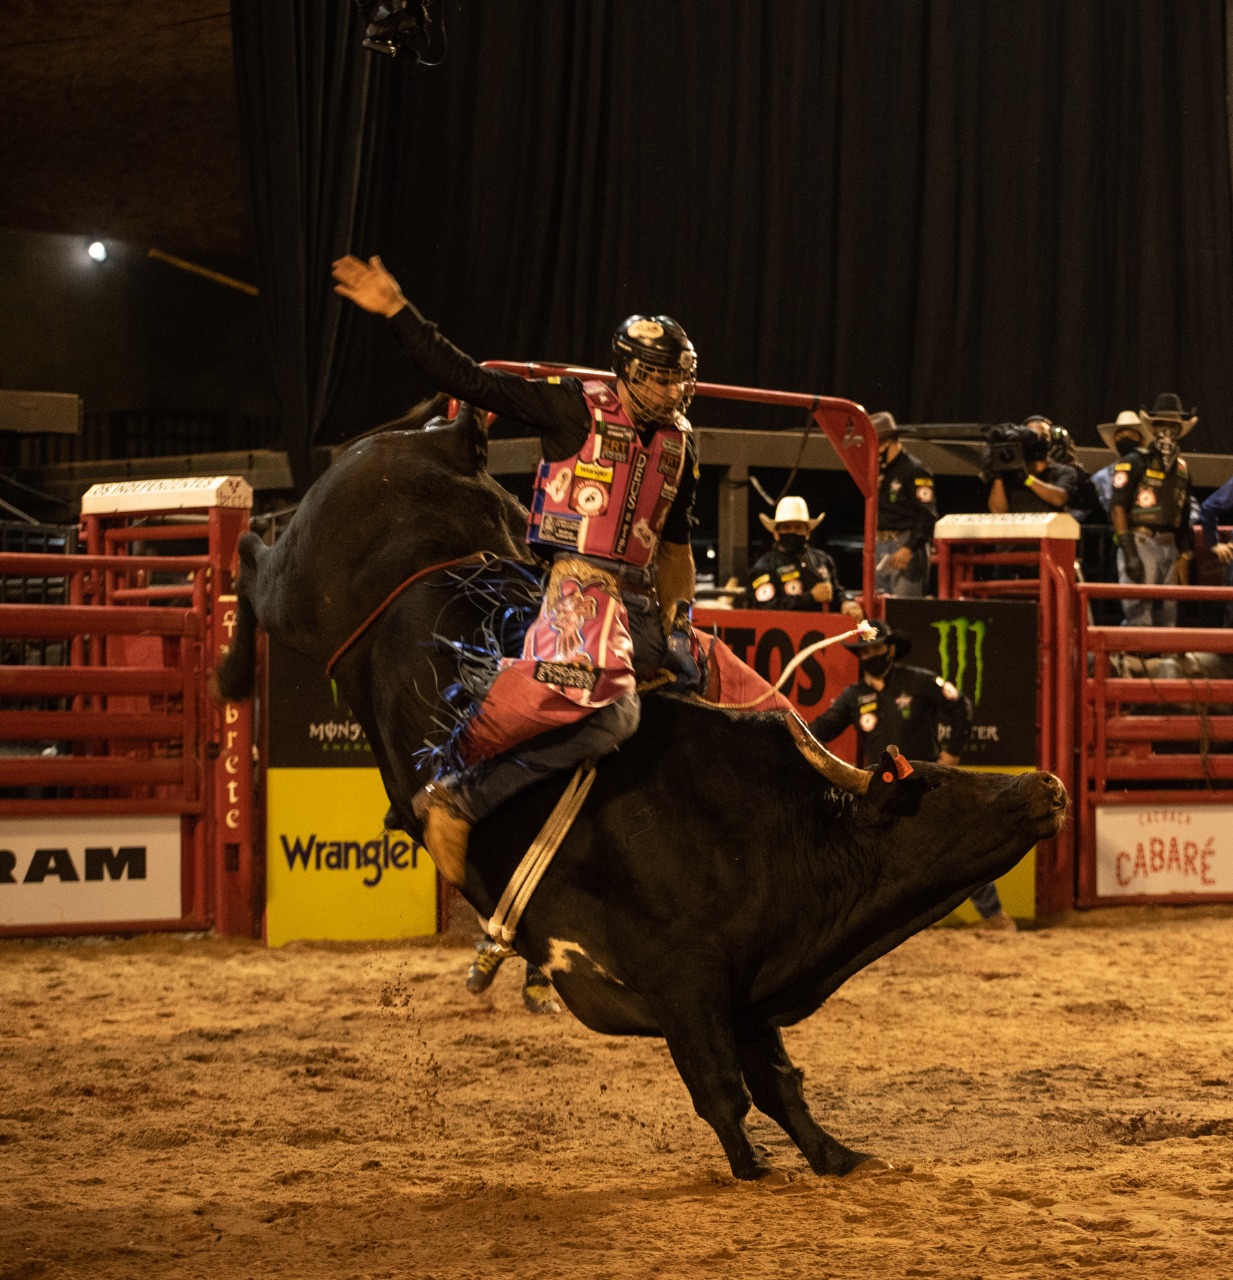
1152, 496
906, 499
552, 407
907, 711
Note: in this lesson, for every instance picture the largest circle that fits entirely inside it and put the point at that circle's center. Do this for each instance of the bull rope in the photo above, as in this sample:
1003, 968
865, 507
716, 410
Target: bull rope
862, 629
504, 920
476, 557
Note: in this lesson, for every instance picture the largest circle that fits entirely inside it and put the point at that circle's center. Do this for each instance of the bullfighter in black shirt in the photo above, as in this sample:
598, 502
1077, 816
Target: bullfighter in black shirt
907, 512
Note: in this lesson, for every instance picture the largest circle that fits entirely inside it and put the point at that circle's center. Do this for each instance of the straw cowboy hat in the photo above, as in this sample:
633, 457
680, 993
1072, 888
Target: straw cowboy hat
1127, 421
788, 511
1168, 409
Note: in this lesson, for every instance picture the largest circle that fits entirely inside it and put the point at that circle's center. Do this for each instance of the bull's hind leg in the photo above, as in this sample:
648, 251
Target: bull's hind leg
703, 1046
775, 1083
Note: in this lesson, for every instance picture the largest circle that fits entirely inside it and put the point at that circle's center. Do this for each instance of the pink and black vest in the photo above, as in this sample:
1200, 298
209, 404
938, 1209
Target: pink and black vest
612, 497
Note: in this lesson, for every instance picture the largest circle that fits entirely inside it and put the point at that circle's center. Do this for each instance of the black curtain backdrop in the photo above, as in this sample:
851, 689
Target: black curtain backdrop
310, 103
953, 209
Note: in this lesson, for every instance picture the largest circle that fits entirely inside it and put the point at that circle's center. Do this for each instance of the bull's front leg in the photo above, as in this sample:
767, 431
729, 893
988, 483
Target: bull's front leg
775, 1083
703, 1045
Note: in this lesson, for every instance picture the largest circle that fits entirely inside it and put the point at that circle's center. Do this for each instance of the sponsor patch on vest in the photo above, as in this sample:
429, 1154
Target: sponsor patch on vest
636, 475
764, 590
670, 458
792, 586
1145, 498
615, 442
589, 498
593, 471
1154, 475
563, 530
869, 722
1120, 479
558, 486
566, 676
925, 492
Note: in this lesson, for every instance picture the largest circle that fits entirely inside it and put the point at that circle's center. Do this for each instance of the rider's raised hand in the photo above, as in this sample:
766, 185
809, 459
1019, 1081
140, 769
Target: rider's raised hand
368, 285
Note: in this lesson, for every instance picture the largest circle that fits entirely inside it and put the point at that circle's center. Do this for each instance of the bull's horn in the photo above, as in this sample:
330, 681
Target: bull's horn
845, 776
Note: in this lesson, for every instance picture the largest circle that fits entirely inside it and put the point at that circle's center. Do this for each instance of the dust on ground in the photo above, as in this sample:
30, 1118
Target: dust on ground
1056, 1103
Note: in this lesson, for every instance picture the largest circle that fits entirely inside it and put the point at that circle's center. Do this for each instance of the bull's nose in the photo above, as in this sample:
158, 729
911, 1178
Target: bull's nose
1044, 793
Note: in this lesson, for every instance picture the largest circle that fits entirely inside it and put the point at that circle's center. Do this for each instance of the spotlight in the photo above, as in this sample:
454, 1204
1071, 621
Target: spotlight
98, 251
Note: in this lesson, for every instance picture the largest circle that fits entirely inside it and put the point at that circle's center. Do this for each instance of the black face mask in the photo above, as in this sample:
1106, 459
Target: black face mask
791, 544
878, 665
1125, 445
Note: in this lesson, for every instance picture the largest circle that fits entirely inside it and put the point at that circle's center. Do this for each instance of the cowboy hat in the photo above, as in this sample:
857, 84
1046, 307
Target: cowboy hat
882, 634
788, 511
1128, 421
1168, 409
884, 425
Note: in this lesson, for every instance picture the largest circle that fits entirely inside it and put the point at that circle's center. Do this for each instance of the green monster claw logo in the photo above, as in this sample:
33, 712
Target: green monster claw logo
961, 628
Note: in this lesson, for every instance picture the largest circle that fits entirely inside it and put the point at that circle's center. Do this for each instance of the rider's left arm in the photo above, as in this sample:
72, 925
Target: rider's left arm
674, 578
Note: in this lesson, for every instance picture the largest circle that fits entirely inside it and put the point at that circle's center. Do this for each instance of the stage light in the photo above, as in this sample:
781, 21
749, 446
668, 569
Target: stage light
98, 251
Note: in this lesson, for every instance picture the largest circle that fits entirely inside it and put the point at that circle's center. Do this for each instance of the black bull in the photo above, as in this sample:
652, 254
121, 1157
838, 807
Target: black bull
714, 888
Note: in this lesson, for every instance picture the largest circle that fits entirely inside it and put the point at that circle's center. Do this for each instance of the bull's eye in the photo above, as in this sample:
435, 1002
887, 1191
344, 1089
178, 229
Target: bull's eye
888, 777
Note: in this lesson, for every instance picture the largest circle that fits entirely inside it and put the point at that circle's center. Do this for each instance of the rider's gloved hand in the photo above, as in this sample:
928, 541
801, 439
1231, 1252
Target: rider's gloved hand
1131, 559
679, 658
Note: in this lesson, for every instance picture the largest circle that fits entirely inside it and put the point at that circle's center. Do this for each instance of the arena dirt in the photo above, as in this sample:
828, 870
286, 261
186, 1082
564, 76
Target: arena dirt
1056, 1103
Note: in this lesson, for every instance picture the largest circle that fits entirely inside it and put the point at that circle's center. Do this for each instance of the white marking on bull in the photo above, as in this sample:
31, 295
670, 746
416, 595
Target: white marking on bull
561, 953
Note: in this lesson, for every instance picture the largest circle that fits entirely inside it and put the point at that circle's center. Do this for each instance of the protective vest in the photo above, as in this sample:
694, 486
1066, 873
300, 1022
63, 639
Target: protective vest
1159, 498
611, 498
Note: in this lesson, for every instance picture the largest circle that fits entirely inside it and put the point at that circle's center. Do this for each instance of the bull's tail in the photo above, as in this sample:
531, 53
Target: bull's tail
236, 674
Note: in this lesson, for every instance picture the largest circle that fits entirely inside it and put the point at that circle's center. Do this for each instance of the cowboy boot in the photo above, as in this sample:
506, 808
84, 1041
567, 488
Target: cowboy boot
446, 830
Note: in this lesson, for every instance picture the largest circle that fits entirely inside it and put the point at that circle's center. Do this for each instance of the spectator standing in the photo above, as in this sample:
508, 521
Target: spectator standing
794, 575
907, 512
1150, 511
1123, 436
910, 707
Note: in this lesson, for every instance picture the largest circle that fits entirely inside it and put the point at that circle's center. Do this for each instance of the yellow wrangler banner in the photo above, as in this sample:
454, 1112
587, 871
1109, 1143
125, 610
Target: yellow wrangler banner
1017, 888
332, 871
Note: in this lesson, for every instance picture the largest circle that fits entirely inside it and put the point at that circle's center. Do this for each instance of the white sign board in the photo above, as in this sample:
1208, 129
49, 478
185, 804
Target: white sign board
1008, 524
89, 870
1163, 851
185, 494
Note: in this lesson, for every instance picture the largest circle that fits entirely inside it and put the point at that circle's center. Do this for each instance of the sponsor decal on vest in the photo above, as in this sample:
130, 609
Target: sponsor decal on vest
868, 722
615, 442
566, 675
636, 476
904, 703
670, 458
373, 857
1120, 479
590, 499
925, 492
1145, 498
559, 485
593, 471
1155, 475
560, 529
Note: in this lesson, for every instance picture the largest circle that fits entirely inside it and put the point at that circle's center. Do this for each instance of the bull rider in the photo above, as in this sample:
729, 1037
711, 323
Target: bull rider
612, 507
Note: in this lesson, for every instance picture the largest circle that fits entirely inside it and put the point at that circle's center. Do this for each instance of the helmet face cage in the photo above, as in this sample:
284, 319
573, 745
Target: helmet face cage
655, 360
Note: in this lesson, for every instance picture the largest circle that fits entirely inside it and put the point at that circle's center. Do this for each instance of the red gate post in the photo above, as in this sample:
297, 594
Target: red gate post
1045, 542
222, 841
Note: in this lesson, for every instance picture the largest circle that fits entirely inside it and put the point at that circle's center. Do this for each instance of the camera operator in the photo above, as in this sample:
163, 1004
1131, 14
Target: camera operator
1021, 477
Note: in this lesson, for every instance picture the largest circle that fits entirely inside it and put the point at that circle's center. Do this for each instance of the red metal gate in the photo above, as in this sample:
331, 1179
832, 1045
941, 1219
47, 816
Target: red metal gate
126, 795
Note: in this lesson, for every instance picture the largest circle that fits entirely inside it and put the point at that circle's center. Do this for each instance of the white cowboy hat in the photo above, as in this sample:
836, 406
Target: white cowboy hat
1128, 420
788, 511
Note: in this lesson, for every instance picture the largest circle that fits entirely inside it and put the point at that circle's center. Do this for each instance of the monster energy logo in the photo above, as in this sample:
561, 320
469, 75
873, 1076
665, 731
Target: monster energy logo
961, 628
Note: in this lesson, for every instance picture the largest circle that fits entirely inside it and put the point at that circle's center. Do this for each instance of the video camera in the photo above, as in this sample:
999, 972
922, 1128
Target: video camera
394, 26
1011, 448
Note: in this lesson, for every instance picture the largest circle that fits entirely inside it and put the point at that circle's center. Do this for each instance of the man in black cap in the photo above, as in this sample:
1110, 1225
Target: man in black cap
906, 515
912, 708
1150, 512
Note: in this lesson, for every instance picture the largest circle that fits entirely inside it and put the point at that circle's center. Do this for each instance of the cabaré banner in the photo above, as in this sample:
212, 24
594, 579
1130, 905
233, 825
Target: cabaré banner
987, 650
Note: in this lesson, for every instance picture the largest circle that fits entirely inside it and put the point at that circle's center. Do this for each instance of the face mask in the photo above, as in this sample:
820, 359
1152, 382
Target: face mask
1127, 444
878, 665
791, 543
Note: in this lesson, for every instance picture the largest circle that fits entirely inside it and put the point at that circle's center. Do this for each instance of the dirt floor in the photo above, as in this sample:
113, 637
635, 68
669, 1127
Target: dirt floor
1055, 1102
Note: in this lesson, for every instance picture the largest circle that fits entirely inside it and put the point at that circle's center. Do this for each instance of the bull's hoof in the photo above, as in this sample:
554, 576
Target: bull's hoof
538, 995
870, 1166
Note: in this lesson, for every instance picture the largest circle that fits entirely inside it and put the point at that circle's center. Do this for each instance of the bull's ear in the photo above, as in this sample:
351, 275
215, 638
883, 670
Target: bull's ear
896, 788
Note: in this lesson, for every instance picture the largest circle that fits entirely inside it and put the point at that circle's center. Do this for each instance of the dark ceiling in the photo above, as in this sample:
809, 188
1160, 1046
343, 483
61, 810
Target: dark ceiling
119, 121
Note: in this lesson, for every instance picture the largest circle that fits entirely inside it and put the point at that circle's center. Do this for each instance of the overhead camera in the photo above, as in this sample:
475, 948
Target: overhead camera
398, 26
